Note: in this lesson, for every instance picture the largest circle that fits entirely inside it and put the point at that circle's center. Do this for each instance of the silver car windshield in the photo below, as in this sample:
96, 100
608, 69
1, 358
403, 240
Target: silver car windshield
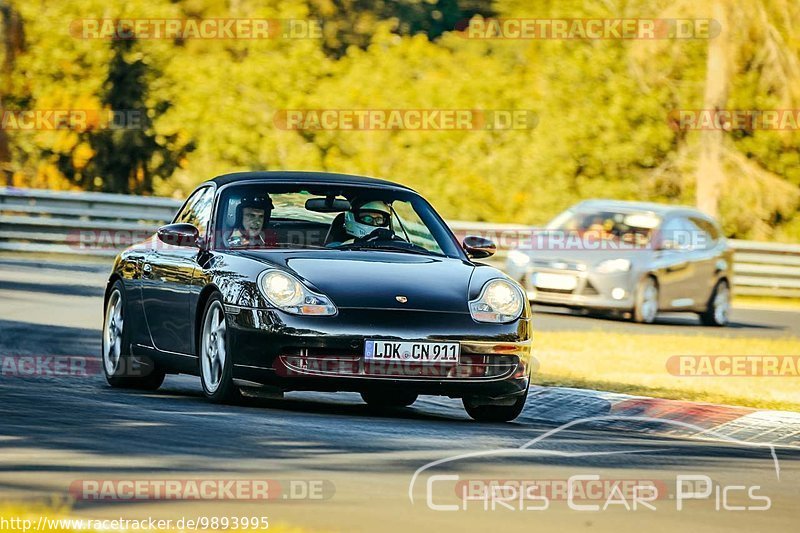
635, 227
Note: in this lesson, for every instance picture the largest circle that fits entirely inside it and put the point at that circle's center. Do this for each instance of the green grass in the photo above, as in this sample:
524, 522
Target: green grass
791, 304
636, 364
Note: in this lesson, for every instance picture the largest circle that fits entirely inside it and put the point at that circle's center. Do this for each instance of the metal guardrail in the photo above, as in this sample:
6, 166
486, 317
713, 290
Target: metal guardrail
94, 224
99, 224
766, 269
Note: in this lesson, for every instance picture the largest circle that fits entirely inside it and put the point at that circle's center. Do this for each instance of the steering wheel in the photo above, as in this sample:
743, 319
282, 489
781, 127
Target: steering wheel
379, 234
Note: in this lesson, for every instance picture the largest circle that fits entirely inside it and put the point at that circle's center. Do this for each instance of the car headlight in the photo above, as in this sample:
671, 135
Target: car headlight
287, 294
499, 301
613, 265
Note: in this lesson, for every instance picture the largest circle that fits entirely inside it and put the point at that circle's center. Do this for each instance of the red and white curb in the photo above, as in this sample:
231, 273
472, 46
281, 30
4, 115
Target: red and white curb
625, 412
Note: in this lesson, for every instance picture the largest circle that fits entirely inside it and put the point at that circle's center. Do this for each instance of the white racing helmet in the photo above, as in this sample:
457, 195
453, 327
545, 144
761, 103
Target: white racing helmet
366, 218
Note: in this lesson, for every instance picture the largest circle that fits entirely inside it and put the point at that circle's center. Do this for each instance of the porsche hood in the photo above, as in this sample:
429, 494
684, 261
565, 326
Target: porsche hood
382, 280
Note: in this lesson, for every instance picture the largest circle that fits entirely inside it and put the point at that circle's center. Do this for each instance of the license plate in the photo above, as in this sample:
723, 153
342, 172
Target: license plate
421, 352
560, 282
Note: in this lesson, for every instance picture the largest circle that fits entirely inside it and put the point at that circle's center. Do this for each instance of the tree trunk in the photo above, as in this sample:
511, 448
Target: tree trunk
710, 172
13, 39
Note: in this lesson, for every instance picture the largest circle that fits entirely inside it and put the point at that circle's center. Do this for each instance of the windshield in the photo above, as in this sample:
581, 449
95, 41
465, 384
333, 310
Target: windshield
335, 217
635, 227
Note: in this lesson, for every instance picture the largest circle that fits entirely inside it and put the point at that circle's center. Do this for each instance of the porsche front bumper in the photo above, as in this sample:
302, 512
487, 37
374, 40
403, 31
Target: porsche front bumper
327, 353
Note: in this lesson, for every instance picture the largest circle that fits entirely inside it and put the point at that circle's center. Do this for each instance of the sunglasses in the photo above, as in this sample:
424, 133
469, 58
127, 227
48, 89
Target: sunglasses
373, 218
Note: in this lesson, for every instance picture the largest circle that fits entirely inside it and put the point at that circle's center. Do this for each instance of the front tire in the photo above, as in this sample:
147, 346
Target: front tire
717, 312
484, 411
646, 306
390, 400
118, 365
216, 364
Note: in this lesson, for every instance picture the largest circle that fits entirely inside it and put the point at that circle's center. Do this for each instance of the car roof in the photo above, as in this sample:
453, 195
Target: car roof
296, 176
659, 209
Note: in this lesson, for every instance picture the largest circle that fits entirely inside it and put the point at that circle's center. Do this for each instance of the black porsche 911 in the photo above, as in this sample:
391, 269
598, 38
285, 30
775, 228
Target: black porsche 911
316, 281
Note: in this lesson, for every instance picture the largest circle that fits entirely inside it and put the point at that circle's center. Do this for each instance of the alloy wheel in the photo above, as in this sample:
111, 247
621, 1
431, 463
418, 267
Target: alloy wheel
112, 334
214, 353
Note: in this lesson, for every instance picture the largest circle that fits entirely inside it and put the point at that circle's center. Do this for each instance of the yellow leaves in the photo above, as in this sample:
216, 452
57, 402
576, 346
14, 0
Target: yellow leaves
49, 177
764, 193
602, 105
64, 141
19, 179
81, 155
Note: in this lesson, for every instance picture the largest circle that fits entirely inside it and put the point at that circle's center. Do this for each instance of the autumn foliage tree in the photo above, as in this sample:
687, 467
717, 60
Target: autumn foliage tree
603, 105
126, 152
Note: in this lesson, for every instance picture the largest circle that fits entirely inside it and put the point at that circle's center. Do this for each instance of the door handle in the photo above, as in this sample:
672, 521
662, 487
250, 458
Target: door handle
677, 267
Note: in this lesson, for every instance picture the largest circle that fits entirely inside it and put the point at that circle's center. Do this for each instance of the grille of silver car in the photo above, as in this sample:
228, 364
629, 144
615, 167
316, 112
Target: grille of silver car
555, 291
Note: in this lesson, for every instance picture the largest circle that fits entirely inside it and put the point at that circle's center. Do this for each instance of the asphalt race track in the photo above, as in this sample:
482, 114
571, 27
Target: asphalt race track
341, 467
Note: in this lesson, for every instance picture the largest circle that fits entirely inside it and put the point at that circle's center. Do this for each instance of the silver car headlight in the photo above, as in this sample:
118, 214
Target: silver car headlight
285, 292
500, 301
609, 266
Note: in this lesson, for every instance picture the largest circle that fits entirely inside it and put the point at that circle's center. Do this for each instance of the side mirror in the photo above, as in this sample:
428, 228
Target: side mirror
478, 247
179, 235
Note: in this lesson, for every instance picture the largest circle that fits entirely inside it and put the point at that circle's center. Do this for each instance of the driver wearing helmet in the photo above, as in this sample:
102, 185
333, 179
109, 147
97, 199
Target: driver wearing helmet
365, 219
252, 216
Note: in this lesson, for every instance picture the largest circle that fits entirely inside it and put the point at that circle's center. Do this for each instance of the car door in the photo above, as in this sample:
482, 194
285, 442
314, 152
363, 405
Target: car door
706, 257
674, 263
167, 278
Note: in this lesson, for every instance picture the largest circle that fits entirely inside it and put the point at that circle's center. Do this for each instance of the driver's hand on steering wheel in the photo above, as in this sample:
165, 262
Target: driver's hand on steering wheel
379, 234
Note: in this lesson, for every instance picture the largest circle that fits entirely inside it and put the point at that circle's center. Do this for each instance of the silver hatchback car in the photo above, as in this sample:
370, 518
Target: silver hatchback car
631, 257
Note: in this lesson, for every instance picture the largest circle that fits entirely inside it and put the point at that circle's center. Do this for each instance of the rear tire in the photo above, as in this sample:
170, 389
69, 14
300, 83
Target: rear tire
119, 366
483, 411
214, 355
646, 304
717, 312
388, 400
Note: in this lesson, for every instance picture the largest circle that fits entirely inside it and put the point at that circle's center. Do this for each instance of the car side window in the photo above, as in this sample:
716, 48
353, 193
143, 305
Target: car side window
197, 210
709, 233
680, 232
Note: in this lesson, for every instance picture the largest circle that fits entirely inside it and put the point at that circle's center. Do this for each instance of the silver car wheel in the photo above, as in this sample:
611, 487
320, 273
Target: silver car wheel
722, 304
213, 352
112, 333
649, 302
